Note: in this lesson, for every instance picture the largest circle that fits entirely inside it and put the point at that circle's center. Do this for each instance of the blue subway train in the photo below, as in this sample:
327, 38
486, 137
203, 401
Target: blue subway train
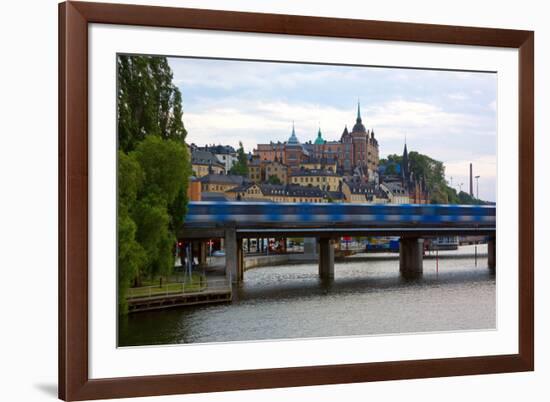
330, 214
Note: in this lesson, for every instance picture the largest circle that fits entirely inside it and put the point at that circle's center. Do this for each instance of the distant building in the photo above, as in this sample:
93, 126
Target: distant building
415, 187
226, 155
399, 181
204, 163
276, 169
194, 191
268, 152
293, 193
320, 164
220, 183
295, 153
323, 179
255, 170
324, 150
364, 145
363, 193
246, 191
277, 193
396, 193
357, 149
260, 171
346, 170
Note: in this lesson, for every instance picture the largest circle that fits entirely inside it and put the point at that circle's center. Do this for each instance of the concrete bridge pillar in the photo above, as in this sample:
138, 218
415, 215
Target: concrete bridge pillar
310, 248
201, 252
240, 261
411, 250
234, 256
326, 258
492, 253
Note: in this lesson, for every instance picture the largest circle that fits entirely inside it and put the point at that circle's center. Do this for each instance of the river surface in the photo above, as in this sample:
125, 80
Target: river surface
367, 297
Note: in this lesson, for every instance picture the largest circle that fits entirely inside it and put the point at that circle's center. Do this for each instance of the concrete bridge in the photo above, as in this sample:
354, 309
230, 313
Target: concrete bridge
235, 221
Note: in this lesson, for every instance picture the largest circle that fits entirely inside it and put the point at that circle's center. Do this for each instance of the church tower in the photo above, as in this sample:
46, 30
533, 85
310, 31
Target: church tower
346, 151
359, 139
294, 151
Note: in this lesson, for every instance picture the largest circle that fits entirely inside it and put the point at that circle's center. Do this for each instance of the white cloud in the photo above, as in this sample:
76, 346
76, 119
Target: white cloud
238, 74
449, 116
458, 96
258, 121
264, 121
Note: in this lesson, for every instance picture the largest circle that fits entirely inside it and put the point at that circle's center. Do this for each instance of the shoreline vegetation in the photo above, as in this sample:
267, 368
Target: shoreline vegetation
153, 171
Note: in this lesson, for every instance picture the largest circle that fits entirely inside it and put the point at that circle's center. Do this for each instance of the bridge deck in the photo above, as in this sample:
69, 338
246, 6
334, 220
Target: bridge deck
307, 218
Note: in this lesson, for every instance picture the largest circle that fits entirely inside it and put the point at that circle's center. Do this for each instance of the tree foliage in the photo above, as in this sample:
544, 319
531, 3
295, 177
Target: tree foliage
432, 172
148, 101
131, 255
391, 169
153, 170
465, 198
240, 167
165, 165
274, 180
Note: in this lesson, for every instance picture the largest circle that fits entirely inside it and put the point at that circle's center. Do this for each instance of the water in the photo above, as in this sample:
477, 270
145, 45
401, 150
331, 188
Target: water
368, 296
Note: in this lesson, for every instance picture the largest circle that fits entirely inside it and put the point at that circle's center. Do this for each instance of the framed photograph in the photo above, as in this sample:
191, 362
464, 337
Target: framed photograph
261, 200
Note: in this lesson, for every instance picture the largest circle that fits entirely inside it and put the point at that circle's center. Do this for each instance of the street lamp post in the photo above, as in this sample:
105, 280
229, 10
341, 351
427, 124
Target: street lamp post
477, 186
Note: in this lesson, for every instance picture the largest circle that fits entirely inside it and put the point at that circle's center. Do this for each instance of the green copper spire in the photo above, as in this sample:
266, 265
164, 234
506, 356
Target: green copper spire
358, 111
319, 140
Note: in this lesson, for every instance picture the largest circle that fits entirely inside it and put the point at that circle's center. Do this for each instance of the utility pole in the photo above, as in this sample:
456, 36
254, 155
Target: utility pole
477, 186
471, 182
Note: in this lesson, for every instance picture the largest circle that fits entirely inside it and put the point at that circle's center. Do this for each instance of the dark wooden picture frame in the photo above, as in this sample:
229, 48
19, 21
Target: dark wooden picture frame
74, 381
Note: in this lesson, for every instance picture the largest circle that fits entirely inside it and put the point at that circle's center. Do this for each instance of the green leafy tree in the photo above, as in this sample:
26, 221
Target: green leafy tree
165, 165
432, 172
131, 255
391, 169
274, 180
240, 167
148, 101
465, 198
153, 170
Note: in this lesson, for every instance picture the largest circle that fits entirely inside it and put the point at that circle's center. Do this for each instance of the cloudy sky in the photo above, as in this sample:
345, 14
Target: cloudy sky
448, 115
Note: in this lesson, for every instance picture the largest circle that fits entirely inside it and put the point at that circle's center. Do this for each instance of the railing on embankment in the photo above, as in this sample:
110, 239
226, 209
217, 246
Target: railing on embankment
151, 298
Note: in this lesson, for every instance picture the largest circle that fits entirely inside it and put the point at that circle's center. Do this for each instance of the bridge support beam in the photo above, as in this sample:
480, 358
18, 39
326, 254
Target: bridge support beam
411, 250
326, 258
492, 253
234, 256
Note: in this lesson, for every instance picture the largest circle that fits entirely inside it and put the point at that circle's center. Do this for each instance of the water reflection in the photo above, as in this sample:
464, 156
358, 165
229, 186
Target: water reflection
367, 296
